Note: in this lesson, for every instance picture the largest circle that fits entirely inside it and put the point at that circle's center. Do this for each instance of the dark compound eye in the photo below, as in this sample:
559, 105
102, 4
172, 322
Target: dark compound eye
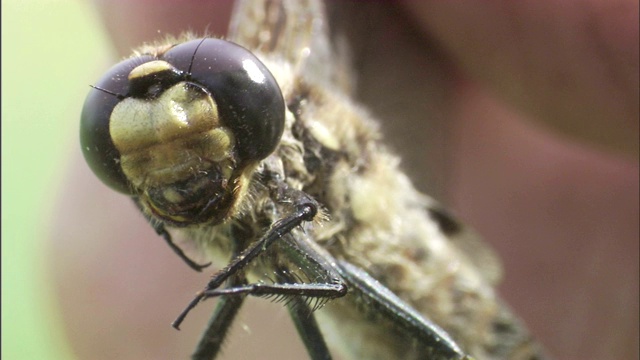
99, 151
248, 97
238, 91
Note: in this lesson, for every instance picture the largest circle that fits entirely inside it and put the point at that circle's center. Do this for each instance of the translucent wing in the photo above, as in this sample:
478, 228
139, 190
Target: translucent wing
470, 244
294, 31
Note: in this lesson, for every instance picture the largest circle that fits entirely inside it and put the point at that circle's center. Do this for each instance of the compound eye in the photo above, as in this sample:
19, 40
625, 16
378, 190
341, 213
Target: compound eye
247, 95
97, 147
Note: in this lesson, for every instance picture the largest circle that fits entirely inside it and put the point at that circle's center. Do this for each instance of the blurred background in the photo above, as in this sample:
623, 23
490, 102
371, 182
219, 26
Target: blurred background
50, 51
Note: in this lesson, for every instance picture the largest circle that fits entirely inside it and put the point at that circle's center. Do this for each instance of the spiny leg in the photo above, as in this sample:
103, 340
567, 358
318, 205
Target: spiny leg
217, 328
430, 339
304, 320
314, 264
308, 330
303, 212
226, 310
319, 290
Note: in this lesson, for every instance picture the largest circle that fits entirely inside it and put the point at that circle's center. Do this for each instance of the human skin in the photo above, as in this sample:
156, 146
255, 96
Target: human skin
542, 104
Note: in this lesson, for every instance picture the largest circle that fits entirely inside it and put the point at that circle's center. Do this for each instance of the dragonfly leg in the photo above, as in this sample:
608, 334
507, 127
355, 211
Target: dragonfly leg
303, 212
217, 328
305, 322
225, 313
319, 290
160, 230
300, 310
431, 340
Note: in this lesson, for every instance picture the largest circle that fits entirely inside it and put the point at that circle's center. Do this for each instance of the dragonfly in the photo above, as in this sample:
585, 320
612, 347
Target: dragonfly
252, 148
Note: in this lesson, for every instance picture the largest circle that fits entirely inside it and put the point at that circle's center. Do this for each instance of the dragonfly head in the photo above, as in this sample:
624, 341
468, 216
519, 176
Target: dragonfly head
179, 128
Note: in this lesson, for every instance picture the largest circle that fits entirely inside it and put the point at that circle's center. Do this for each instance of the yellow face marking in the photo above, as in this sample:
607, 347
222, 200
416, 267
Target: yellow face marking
168, 138
180, 111
149, 68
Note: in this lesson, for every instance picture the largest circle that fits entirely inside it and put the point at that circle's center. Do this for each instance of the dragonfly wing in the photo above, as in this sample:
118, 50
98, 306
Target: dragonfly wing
468, 242
295, 32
